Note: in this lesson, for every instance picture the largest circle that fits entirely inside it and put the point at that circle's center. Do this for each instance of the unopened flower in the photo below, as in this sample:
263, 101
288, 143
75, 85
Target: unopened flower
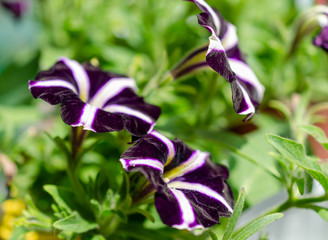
224, 57
96, 100
191, 191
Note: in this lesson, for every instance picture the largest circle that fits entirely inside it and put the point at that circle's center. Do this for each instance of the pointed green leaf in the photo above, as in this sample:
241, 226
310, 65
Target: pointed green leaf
323, 213
60, 143
235, 215
145, 213
317, 133
255, 226
294, 152
300, 184
63, 197
75, 223
282, 107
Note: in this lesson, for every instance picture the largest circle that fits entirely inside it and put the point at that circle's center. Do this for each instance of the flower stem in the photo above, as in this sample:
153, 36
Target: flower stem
298, 203
77, 137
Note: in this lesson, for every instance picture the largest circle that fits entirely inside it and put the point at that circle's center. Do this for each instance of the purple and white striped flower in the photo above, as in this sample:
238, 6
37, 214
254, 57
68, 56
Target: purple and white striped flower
320, 13
96, 100
308, 22
16, 7
191, 191
224, 57
321, 40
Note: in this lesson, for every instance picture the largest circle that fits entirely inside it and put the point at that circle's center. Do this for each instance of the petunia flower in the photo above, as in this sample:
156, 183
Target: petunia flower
223, 56
321, 40
191, 191
309, 21
96, 100
16, 7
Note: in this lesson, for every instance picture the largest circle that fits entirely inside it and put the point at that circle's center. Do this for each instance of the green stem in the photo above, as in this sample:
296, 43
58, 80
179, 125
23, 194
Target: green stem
77, 137
298, 203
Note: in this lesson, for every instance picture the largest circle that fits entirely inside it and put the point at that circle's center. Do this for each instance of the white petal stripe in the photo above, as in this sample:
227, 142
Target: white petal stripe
88, 115
187, 213
250, 106
80, 76
54, 83
243, 71
126, 110
215, 44
149, 162
230, 39
201, 189
110, 89
169, 144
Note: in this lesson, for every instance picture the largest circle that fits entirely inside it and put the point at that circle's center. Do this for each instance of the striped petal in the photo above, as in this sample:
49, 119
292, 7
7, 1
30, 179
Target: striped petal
207, 204
148, 156
139, 117
191, 190
97, 100
224, 57
76, 113
175, 209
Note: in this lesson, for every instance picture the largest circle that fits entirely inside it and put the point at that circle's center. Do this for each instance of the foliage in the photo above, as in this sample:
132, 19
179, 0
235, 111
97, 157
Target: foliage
145, 39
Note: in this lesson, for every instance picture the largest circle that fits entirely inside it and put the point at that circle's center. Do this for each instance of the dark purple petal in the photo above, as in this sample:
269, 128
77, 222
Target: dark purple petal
208, 209
72, 110
148, 156
224, 57
191, 190
107, 86
107, 122
52, 91
139, 117
76, 113
218, 61
18, 8
321, 40
175, 210
98, 101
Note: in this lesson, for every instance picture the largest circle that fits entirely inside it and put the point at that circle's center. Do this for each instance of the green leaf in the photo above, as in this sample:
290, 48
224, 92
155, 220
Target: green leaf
235, 215
323, 213
60, 143
75, 223
212, 234
145, 213
98, 237
300, 184
294, 152
63, 197
255, 226
317, 133
282, 107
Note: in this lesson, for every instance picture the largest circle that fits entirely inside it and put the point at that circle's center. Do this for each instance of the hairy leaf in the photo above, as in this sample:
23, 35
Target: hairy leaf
294, 152
75, 223
235, 215
255, 226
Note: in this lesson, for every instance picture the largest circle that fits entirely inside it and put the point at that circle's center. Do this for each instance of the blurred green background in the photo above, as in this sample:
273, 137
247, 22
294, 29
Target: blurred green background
143, 39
